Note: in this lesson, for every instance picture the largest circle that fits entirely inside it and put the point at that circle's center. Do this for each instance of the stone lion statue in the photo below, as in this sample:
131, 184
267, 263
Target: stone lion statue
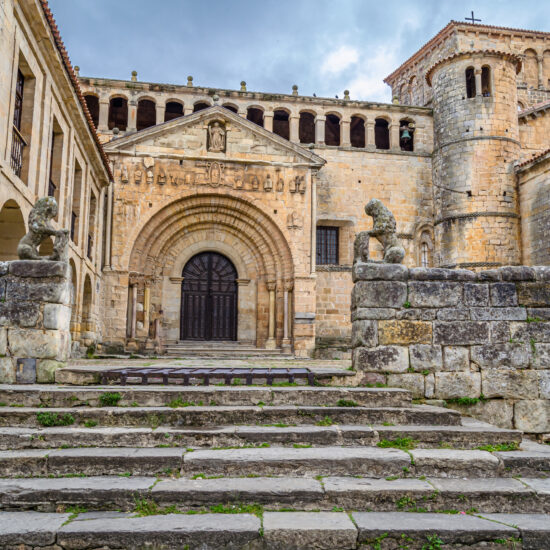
40, 229
384, 231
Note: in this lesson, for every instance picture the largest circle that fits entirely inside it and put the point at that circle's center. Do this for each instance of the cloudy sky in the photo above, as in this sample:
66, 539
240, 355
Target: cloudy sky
324, 46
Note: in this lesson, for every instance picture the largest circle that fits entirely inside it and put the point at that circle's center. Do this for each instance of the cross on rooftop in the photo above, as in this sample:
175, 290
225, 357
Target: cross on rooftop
472, 18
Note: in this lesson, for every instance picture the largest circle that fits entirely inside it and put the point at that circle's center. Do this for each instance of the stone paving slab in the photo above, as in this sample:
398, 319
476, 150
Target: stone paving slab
534, 528
46, 494
370, 461
450, 528
185, 493
452, 463
300, 530
29, 528
173, 531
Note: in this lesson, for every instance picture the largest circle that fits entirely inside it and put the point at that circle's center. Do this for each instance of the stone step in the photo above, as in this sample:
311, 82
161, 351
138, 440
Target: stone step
487, 495
458, 437
274, 531
227, 415
155, 396
262, 460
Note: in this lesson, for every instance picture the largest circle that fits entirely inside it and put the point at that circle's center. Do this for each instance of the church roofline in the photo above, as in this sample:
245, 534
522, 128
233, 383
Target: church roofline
54, 29
447, 31
538, 109
312, 158
530, 163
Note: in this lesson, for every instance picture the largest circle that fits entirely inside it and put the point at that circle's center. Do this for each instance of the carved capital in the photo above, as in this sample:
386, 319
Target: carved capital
271, 285
288, 286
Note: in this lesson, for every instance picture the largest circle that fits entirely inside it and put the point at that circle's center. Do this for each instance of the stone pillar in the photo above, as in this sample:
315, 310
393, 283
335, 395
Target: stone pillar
108, 228
288, 285
242, 112
268, 121
133, 322
294, 122
132, 116
187, 109
160, 113
394, 134
477, 73
35, 307
540, 62
320, 129
103, 123
345, 140
146, 307
271, 343
370, 141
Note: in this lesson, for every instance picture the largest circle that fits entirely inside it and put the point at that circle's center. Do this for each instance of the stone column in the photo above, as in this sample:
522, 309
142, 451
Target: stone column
271, 343
108, 229
477, 73
320, 129
540, 61
345, 140
146, 307
132, 116
268, 121
313, 235
394, 134
134, 312
370, 142
294, 121
187, 109
160, 113
103, 123
242, 112
288, 285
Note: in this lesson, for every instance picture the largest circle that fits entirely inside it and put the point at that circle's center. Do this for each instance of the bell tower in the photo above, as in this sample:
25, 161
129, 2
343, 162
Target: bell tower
476, 141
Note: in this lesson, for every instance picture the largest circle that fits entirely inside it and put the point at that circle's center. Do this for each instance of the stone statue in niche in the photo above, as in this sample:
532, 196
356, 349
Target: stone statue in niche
161, 178
268, 183
40, 229
280, 185
150, 177
298, 185
138, 174
239, 182
384, 231
216, 138
294, 221
124, 174
255, 182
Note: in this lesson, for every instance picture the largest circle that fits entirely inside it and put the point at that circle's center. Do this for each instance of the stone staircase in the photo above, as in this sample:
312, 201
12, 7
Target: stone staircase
257, 467
221, 350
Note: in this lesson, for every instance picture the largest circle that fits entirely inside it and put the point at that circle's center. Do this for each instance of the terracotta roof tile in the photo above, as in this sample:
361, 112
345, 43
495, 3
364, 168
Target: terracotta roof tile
74, 80
542, 106
534, 159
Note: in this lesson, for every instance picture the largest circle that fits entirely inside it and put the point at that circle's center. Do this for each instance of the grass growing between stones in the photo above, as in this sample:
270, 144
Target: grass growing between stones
178, 402
49, 419
512, 446
246, 446
109, 399
327, 421
90, 423
346, 403
403, 443
148, 507
302, 446
466, 400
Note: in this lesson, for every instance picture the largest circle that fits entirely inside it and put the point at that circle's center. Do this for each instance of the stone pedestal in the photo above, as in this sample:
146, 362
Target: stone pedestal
35, 315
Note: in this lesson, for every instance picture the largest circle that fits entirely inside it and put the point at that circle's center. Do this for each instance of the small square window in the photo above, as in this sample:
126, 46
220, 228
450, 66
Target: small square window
327, 245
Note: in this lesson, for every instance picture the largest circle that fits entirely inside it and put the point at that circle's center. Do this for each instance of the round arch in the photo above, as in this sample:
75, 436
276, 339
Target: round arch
12, 229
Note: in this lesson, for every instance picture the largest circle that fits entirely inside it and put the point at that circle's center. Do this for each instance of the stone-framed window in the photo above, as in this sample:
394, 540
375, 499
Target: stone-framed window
470, 82
92, 102
486, 81
118, 113
327, 245
381, 133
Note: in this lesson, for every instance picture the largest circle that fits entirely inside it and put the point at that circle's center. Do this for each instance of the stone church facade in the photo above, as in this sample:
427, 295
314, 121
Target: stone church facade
231, 214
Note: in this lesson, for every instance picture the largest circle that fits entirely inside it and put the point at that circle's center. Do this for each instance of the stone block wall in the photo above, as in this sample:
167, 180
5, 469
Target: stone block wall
35, 314
479, 341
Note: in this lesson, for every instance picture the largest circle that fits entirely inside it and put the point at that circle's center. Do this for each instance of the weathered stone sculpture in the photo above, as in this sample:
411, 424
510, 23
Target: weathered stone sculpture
384, 231
40, 229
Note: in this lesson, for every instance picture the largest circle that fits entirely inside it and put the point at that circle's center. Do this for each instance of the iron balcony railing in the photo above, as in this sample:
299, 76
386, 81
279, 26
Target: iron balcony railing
18, 143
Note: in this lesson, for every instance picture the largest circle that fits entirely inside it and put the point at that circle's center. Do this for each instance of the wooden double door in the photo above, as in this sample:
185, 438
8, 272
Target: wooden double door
209, 298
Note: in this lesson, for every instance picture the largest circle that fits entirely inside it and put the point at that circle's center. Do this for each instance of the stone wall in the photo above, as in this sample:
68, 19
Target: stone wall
35, 316
479, 341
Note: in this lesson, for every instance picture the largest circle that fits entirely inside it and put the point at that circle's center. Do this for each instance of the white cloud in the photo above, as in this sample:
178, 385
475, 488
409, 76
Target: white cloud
339, 60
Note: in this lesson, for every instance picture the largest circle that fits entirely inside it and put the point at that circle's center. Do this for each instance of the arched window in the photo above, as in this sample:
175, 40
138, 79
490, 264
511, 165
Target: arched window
173, 110
118, 113
381, 133
255, 115
87, 300
75, 210
357, 132
230, 107
92, 217
12, 230
485, 81
520, 106
425, 249
470, 82
307, 128
332, 130
281, 124
92, 103
425, 255
406, 135
200, 106
531, 69
146, 114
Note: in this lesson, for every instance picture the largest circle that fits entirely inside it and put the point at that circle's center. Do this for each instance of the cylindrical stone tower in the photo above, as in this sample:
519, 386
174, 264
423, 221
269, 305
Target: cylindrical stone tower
476, 142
